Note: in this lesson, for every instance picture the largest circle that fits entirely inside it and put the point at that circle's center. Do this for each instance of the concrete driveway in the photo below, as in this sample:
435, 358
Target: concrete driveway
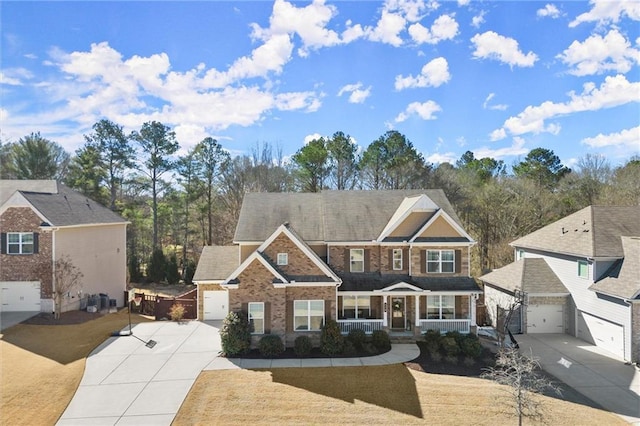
9, 319
594, 372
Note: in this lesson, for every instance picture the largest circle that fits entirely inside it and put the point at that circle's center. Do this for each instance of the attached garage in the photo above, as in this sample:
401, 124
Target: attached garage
545, 319
602, 333
215, 304
20, 296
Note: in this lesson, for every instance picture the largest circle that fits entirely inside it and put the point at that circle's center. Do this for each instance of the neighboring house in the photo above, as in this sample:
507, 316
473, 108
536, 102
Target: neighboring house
374, 260
580, 276
42, 220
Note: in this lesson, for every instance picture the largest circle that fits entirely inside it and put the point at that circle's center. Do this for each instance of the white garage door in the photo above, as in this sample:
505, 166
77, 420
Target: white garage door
17, 296
602, 333
215, 305
544, 319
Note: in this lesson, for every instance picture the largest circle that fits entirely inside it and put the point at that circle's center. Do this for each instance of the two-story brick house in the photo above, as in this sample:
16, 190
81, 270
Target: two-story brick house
42, 220
375, 260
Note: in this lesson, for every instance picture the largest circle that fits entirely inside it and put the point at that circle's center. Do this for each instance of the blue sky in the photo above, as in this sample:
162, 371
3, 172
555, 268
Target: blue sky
497, 78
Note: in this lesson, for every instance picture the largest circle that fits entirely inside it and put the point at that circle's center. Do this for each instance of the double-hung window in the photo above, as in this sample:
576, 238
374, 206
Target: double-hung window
583, 269
283, 259
356, 307
308, 315
397, 259
440, 261
441, 307
256, 317
19, 242
356, 260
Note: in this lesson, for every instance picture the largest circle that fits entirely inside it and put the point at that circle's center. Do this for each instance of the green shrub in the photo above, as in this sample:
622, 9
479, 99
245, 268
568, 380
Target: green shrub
270, 346
471, 347
369, 349
234, 334
189, 271
135, 275
432, 339
156, 268
381, 341
468, 361
302, 346
459, 337
172, 274
349, 348
435, 356
450, 346
331, 339
357, 337
451, 359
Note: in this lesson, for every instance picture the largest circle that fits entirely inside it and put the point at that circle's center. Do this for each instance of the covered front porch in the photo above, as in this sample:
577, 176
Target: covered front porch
406, 310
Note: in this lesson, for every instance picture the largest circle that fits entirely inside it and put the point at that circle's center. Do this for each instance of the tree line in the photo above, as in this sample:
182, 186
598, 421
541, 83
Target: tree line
178, 203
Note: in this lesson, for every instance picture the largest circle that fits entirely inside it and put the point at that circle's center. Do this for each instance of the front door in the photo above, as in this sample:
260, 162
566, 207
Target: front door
397, 312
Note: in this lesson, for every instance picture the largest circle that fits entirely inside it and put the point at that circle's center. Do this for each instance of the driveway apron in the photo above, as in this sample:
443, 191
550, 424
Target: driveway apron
592, 371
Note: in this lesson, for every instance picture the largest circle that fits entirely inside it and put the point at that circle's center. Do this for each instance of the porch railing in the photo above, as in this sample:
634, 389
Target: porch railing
460, 325
368, 325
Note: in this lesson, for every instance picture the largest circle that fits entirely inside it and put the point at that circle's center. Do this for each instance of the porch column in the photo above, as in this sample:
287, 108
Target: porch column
472, 308
417, 319
385, 309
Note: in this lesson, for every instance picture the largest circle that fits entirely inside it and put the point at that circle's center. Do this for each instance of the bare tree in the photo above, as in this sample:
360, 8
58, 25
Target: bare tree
520, 374
67, 279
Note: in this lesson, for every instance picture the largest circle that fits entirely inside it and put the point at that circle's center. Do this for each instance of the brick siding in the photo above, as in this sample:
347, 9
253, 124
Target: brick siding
298, 262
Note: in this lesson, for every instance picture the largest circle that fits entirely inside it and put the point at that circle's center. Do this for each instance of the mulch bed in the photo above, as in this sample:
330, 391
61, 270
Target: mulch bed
66, 318
426, 364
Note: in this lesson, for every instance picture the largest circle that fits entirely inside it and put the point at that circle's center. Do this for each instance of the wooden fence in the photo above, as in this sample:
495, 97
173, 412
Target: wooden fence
160, 306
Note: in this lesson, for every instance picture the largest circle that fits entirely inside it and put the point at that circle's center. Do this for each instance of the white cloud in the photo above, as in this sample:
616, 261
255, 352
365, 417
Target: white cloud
388, 29
437, 158
312, 137
478, 20
627, 137
463, 2
609, 11
433, 74
486, 105
550, 10
613, 91
597, 55
425, 110
443, 28
11, 78
516, 148
357, 94
491, 45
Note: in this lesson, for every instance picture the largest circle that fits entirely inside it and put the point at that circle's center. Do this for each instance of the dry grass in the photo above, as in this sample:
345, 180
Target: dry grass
42, 365
360, 395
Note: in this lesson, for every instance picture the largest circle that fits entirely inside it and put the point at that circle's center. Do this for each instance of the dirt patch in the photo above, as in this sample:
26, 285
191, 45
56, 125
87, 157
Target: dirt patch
66, 318
165, 290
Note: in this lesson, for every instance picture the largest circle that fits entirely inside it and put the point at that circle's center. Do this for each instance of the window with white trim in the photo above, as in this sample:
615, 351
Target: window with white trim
19, 242
441, 261
256, 317
519, 254
283, 259
356, 307
583, 269
397, 259
441, 307
308, 315
356, 260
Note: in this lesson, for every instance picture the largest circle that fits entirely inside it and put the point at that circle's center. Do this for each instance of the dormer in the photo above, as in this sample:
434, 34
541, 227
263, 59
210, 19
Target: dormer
409, 217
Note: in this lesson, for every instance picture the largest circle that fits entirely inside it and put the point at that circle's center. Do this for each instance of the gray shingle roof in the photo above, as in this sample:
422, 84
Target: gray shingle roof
61, 205
594, 231
217, 263
327, 215
623, 279
532, 275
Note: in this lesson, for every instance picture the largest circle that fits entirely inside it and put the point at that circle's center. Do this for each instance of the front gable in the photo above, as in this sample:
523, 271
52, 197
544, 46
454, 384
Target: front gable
441, 227
410, 214
255, 269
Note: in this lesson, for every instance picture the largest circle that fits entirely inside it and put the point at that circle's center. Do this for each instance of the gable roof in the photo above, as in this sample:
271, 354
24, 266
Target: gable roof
216, 263
456, 226
594, 231
60, 205
623, 278
9, 186
330, 216
532, 275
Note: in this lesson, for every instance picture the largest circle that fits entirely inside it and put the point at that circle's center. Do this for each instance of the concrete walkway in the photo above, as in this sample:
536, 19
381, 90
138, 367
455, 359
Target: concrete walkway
126, 383
594, 372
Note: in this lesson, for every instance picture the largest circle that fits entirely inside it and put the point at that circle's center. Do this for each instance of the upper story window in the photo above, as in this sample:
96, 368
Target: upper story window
356, 260
440, 261
20, 243
397, 259
256, 317
283, 259
583, 269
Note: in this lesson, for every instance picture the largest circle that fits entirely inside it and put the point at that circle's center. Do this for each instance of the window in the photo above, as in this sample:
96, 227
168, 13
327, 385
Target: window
283, 259
397, 259
20, 243
256, 317
440, 261
308, 315
441, 307
583, 269
356, 260
354, 307
519, 254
